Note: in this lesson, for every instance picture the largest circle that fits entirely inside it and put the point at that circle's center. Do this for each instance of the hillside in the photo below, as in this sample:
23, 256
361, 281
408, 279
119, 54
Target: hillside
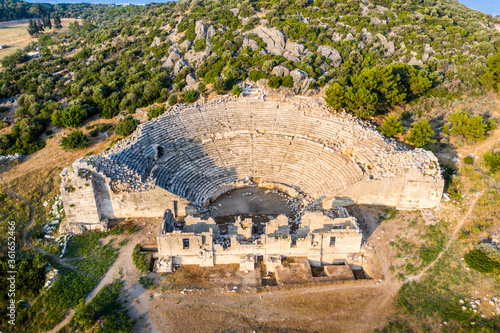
426, 72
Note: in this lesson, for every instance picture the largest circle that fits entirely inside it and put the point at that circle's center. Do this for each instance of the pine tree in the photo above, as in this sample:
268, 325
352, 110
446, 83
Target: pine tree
49, 24
421, 134
32, 28
57, 22
392, 126
39, 26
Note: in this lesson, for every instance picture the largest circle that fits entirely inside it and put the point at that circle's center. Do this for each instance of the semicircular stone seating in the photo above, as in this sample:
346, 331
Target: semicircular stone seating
195, 150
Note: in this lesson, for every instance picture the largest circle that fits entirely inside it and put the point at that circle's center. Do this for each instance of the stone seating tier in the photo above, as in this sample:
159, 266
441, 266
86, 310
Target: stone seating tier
301, 144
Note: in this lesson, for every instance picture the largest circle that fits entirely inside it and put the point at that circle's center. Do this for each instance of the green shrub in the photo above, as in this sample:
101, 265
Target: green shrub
469, 160
139, 259
255, 75
146, 282
472, 128
492, 161
190, 95
202, 88
485, 258
274, 82
287, 81
94, 132
71, 117
155, 111
392, 126
104, 309
127, 126
75, 140
236, 90
172, 99
421, 133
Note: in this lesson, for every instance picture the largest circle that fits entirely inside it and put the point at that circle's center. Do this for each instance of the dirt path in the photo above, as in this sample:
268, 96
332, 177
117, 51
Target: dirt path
451, 239
133, 293
27, 241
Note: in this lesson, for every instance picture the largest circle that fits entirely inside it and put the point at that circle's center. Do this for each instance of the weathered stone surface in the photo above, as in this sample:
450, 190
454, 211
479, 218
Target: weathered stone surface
179, 64
156, 41
191, 79
262, 82
293, 51
193, 56
210, 32
185, 45
235, 11
274, 39
349, 37
280, 71
366, 36
383, 40
330, 53
200, 29
415, 62
250, 43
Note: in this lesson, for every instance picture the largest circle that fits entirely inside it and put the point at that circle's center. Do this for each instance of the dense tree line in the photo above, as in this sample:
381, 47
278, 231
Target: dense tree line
107, 63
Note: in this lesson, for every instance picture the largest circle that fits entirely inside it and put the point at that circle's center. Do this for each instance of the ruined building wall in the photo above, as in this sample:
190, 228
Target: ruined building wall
145, 203
77, 194
194, 248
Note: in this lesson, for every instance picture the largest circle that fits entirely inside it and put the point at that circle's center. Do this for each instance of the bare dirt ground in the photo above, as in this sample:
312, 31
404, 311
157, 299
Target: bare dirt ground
53, 156
15, 35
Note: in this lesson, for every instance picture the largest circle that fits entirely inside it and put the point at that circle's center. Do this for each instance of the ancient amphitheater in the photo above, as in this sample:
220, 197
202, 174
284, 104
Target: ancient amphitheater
191, 155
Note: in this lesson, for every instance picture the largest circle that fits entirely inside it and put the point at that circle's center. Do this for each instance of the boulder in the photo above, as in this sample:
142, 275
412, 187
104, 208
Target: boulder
298, 76
336, 37
173, 57
349, 37
376, 21
415, 62
262, 83
288, 92
193, 56
366, 36
304, 88
179, 64
210, 32
330, 53
235, 11
191, 79
156, 41
200, 29
293, 51
274, 39
250, 43
280, 71
390, 48
383, 40
185, 45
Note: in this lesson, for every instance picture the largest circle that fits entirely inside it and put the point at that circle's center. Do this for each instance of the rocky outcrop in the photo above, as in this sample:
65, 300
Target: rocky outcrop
172, 58
200, 29
330, 53
193, 56
293, 51
298, 79
156, 41
280, 71
250, 43
179, 64
274, 39
389, 47
185, 45
190, 79
415, 62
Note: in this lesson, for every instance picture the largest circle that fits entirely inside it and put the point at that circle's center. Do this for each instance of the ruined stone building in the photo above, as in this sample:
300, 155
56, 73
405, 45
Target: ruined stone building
319, 238
188, 157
